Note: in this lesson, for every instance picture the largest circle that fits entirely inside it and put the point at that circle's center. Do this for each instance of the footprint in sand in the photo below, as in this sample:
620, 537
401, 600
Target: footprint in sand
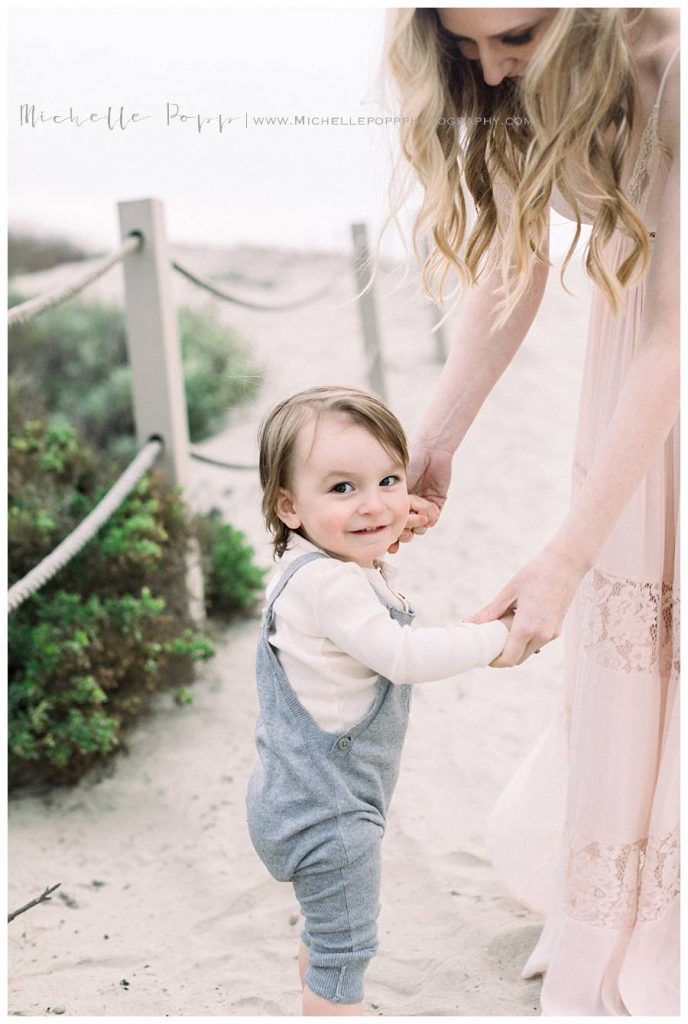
515, 945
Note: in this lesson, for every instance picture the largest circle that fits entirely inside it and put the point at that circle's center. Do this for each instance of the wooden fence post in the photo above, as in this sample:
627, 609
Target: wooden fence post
155, 357
366, 305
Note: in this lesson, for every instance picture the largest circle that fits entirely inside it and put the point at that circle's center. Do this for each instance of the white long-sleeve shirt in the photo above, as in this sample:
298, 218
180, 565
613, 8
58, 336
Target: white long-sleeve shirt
333, 638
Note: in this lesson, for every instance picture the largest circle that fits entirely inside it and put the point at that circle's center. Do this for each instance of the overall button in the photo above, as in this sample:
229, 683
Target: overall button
344, 743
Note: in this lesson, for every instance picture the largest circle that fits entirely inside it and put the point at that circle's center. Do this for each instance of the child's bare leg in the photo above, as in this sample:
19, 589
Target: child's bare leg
303, 961
316, 1006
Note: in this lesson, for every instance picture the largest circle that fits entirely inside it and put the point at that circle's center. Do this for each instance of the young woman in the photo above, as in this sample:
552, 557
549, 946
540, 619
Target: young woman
578, 109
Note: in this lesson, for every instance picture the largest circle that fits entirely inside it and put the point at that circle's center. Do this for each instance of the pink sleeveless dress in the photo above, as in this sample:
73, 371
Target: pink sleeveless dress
587, 830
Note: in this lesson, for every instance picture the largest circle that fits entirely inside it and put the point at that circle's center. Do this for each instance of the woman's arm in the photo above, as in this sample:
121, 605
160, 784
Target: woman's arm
646, 411
475, 363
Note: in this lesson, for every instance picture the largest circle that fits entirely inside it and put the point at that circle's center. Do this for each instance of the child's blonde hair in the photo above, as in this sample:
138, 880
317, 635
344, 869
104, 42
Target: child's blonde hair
279, 432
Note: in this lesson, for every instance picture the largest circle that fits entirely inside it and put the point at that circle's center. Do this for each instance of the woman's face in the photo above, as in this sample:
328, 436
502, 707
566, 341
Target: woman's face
501, 39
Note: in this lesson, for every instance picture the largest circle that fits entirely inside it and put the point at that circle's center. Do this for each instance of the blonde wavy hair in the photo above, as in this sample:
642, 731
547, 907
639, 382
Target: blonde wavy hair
510, 145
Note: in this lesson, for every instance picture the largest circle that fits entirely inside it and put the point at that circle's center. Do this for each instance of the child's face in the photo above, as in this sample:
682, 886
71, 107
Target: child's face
348, 493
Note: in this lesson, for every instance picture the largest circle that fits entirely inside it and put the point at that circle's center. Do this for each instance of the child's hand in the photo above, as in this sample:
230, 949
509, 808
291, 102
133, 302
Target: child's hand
508, 617
422, 515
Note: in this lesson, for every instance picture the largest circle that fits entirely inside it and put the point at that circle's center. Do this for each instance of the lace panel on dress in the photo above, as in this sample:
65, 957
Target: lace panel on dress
616, 885
628, 625
639, 184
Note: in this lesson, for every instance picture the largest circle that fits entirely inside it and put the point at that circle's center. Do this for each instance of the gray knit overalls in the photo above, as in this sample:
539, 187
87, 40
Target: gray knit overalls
316, 806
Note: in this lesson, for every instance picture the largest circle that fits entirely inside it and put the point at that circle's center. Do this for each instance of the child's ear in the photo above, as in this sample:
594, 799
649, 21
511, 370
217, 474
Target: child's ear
286, 511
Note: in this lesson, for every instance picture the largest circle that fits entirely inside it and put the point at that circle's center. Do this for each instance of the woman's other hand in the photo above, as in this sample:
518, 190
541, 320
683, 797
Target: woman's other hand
541, 593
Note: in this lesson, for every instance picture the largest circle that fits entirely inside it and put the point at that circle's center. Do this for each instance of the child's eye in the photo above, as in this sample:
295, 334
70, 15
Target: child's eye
389, 481
342, 488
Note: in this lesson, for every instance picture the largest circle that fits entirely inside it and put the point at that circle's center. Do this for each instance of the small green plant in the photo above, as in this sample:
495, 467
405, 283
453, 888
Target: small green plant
233, 582
81, 668
183, 696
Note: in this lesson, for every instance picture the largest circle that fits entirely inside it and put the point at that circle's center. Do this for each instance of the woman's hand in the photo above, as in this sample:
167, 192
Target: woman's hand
422, 515
429, 475
541, 594
428, 479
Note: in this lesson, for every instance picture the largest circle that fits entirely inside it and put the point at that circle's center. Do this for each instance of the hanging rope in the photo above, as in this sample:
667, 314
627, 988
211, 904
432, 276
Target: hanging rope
26, 311
87, 529
281, 307
200, 457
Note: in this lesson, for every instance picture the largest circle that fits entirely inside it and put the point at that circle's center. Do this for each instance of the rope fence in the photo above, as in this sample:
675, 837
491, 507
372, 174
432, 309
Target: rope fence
199, 456
26, 311
220, 293
86, 530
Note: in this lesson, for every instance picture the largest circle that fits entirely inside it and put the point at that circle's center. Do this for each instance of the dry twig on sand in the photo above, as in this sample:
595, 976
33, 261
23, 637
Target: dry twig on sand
39, 899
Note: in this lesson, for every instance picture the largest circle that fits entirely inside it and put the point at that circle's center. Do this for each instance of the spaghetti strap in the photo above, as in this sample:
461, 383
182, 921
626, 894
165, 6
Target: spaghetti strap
666, 75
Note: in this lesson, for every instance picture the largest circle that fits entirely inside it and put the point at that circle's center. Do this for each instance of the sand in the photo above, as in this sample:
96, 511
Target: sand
164, 908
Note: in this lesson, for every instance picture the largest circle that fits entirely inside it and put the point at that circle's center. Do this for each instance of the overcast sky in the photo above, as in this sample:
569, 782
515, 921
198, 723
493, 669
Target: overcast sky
221, 181
224, 177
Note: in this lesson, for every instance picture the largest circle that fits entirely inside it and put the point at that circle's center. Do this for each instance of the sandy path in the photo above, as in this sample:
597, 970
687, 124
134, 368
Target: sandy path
160, 886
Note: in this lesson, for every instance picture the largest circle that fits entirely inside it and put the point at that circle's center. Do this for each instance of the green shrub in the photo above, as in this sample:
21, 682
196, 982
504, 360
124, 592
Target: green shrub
73, 359
86, 651
232, 580
54, 481
80, 669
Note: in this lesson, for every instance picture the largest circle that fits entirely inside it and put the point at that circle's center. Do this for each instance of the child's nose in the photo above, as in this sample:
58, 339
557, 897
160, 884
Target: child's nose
371, 501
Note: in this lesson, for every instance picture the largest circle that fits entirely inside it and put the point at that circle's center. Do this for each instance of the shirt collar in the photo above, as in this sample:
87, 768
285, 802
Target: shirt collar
298, 545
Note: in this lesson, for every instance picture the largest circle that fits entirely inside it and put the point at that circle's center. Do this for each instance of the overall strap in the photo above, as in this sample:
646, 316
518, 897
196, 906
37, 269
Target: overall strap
665, 76
310, 556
